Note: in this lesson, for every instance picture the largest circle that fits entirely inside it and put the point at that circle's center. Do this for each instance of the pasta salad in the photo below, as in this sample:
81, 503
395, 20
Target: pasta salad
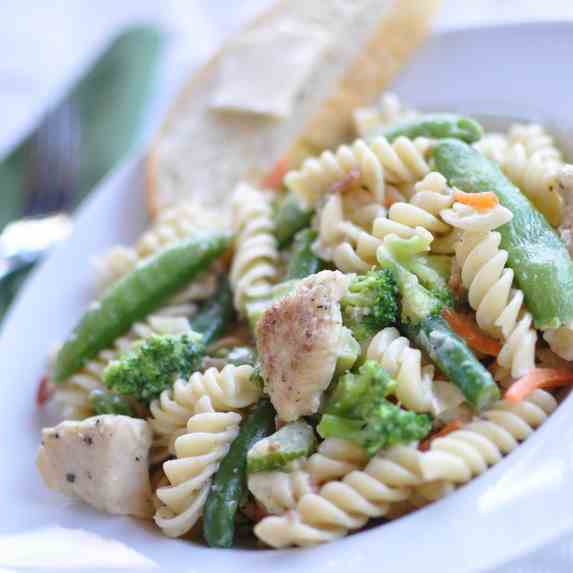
369, 331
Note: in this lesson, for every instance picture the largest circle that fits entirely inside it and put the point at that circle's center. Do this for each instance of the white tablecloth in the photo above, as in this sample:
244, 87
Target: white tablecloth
44, 46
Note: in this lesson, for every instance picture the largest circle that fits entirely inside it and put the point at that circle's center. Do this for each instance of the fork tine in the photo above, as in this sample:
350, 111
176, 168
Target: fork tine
53, 169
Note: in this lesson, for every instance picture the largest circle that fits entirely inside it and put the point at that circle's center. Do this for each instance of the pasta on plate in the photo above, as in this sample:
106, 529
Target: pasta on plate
362, 340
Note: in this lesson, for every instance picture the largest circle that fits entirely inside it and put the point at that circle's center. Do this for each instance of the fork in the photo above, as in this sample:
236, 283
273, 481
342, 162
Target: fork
52, 177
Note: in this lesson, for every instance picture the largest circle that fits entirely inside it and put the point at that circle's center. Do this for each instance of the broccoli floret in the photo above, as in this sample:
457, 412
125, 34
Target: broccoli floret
370, 304
358, 410
402, 257
153, 365
433, 272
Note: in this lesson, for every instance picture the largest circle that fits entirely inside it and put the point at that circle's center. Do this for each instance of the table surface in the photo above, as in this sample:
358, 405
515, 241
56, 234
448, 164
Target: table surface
47, 45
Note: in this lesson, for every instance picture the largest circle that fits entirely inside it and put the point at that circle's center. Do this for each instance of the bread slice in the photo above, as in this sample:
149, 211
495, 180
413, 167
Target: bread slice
285, 86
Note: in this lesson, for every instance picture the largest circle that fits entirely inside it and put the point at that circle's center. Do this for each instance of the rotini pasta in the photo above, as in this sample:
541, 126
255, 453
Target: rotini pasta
404, 363
228, 389
199, 451
420, 216
319, 175
499, 307
387, 112
254, 268
347, 504
280, 491
468, 452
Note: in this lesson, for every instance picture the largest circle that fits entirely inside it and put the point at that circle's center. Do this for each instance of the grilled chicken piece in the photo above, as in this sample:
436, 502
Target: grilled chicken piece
298, 339
102, 460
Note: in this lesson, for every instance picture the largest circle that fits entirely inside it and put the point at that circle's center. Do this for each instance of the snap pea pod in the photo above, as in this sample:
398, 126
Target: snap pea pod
289, 218
230, 480
540, 261
455, 359
134, 297
303, 262
216, 314
437, 126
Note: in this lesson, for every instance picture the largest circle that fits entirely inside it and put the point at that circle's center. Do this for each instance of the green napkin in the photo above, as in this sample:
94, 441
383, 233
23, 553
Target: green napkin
110, 100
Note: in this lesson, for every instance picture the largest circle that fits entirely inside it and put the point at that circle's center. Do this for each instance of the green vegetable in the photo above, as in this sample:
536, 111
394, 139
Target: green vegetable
358, 410
303, 262
216, 314
103, 403
229, 482
540, 261
348, 351
134, 297
153, 365
420, 320
370, 304
292, 441
290, 217
437, 126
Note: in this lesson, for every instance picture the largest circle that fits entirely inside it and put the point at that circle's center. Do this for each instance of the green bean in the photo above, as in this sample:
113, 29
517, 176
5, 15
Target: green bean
540, 261
134, 297
290, 217
437, 126
216, 314
230, 480
303, 262
455, 359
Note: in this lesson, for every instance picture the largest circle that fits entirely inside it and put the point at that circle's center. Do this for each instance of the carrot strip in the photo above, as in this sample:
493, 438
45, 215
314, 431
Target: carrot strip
391, 196
274, 179
465, 327
480, 201
45, 390
538, 378
346, 182
450, 427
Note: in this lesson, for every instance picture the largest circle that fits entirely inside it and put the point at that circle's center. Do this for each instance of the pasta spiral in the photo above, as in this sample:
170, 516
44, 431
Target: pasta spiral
538, 178
404, 363
280, 491
318, 175
535, 140
228, 389
388, 112
345, 505
344, 219
468, 452
420, 216
199, 451
499, 308
254, 267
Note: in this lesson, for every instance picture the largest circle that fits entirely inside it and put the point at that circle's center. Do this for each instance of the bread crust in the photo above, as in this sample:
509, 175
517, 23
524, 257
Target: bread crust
400, 30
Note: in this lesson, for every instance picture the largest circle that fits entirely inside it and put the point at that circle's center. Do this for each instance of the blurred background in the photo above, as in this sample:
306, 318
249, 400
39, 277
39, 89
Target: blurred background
83, 84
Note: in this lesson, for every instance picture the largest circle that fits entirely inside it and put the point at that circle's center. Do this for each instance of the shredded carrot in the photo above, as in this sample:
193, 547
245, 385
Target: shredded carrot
391, 196
345, 183
45, 390
480, 201
538, 378
274, 179
466, 327
447, 429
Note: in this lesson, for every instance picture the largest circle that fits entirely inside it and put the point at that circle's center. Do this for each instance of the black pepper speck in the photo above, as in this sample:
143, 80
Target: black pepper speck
71, 478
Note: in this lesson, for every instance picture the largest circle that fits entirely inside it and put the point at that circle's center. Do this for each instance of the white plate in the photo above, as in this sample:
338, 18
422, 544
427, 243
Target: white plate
516, 71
